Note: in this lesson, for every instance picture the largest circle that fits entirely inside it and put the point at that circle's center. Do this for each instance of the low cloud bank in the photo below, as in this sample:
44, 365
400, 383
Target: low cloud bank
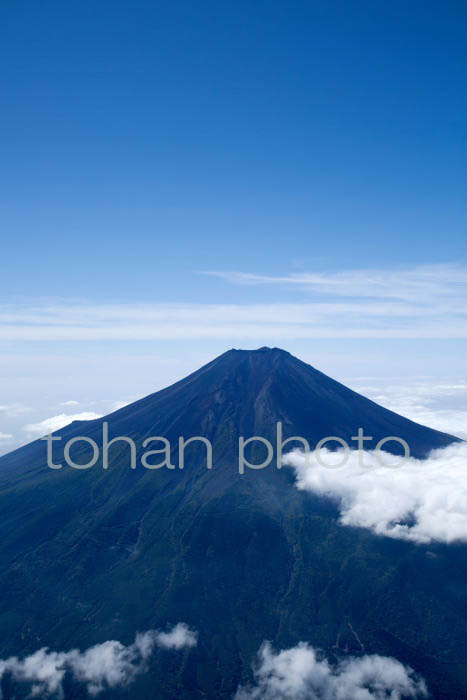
440, 405
421, 501
300, 673
50, 425
103, 666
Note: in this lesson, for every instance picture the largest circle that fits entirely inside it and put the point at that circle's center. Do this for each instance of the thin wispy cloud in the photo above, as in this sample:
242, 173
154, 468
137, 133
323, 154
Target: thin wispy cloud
13, 410
423, 302
110, 665
409, 284
420, 501
303, 673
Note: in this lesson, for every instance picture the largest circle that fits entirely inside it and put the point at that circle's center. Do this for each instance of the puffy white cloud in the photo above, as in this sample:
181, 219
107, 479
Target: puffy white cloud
106, 665
69, 403
178, 637
5, 436
302, 673
111, 664
421, 501
49, 425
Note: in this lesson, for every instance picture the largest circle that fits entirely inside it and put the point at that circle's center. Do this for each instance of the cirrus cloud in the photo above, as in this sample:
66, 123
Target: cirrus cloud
426, 301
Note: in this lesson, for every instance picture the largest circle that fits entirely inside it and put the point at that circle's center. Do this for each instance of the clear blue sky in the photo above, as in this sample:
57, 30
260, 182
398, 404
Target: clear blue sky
143, 142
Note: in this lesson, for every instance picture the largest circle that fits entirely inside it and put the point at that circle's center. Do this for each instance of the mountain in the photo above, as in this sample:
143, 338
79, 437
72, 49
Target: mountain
88, 555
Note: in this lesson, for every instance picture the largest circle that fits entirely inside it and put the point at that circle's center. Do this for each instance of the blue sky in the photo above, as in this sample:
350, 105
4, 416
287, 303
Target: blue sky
310, 154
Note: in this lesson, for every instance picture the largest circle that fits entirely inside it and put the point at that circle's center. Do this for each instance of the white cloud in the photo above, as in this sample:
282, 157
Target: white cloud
327, 325
420, 501
302, 673
69, 403
445, 281
438, 404
178, 637
5, 436
421, 302
106, 665
49, 425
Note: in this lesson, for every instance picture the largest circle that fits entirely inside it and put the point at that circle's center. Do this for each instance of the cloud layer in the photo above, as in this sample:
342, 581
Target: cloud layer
103, 666
421, 501
423, 301
438, 404
300, 673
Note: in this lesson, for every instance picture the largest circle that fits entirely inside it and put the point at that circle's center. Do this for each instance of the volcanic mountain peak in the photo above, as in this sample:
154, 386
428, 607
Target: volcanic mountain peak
254, 369
245, 393
248, 391
260, 357
265, 351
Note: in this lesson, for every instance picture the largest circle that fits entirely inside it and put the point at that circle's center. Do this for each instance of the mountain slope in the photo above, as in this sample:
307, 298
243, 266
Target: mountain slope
90, 555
